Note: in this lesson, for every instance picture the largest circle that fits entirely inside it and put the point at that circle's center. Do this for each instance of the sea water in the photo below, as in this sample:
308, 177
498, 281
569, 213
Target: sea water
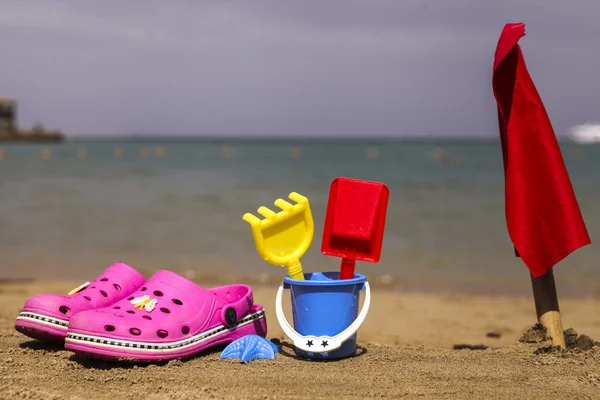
70, 211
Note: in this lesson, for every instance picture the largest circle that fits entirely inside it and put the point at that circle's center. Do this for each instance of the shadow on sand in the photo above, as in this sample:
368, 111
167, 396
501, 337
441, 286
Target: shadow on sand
103, 363
41, 345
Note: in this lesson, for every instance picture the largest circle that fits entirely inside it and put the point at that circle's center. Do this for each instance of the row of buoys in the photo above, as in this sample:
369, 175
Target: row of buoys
156, 152
159, 152
227, 152
296, 153
82, 153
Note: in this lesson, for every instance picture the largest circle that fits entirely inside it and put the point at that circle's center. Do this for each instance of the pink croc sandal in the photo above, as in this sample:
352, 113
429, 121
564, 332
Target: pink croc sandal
47, 316
170, 317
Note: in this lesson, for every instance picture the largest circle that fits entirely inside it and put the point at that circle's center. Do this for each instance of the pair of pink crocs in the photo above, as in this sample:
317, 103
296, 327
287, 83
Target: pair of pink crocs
121, 315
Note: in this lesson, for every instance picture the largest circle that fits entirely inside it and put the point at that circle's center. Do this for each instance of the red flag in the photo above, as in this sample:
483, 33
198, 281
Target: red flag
542, 214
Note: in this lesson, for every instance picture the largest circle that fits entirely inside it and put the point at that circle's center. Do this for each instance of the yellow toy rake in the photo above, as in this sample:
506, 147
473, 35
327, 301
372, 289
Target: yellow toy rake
282, 238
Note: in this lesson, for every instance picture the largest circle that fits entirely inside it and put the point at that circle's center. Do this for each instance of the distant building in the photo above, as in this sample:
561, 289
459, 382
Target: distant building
8, 115
10, 132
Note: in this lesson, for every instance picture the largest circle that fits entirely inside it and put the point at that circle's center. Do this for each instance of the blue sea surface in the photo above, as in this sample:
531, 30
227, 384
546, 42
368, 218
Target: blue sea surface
69, 210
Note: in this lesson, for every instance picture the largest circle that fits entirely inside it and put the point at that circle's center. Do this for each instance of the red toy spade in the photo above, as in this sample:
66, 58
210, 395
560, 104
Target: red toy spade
354, 222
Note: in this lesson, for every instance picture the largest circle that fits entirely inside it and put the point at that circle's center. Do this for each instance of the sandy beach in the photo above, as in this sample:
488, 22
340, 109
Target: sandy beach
412, 345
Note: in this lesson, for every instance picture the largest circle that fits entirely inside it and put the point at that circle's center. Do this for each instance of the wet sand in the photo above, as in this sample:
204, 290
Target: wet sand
412, 345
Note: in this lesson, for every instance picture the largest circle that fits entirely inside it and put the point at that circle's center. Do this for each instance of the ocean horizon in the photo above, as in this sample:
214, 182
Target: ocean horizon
246, 138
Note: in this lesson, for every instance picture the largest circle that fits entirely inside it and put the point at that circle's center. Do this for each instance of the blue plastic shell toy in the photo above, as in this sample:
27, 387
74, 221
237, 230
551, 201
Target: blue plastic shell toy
250, 347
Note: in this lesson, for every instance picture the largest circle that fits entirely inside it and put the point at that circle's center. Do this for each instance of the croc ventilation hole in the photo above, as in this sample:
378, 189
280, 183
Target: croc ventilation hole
117, 287
103, 293
161, 333
64, 309
185, 330
109, 328
130, 298
92, 287
88, 298
158, 293
149, 318
130, 312
135, 331
117, 307
143, 289
103, 279
178, 302
165, 310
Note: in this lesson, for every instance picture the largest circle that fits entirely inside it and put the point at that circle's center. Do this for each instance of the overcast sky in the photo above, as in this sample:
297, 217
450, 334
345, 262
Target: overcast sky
290, 67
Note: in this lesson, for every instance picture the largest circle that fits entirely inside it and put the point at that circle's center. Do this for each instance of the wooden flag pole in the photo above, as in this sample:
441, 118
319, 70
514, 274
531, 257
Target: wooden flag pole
546, 307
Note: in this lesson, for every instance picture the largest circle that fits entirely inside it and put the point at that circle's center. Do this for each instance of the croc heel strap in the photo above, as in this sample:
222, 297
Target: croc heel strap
232, 312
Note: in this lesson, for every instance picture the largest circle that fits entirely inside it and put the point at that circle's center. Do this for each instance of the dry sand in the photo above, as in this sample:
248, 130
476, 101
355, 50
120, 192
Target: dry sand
411, 346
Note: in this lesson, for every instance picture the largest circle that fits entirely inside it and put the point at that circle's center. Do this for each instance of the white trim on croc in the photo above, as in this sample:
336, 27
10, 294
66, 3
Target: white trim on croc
167, 347
43, 319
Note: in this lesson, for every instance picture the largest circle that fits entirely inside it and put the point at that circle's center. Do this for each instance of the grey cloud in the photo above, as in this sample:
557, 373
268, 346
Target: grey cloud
342, 67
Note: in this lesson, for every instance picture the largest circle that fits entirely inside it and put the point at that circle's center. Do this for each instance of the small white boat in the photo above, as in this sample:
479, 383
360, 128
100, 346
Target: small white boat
585, 134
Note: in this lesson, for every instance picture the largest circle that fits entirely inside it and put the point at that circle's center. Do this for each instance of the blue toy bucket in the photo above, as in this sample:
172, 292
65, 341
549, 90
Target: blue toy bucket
325, 314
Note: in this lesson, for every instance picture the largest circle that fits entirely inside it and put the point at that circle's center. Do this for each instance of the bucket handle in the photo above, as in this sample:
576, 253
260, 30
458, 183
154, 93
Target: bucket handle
321, 344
